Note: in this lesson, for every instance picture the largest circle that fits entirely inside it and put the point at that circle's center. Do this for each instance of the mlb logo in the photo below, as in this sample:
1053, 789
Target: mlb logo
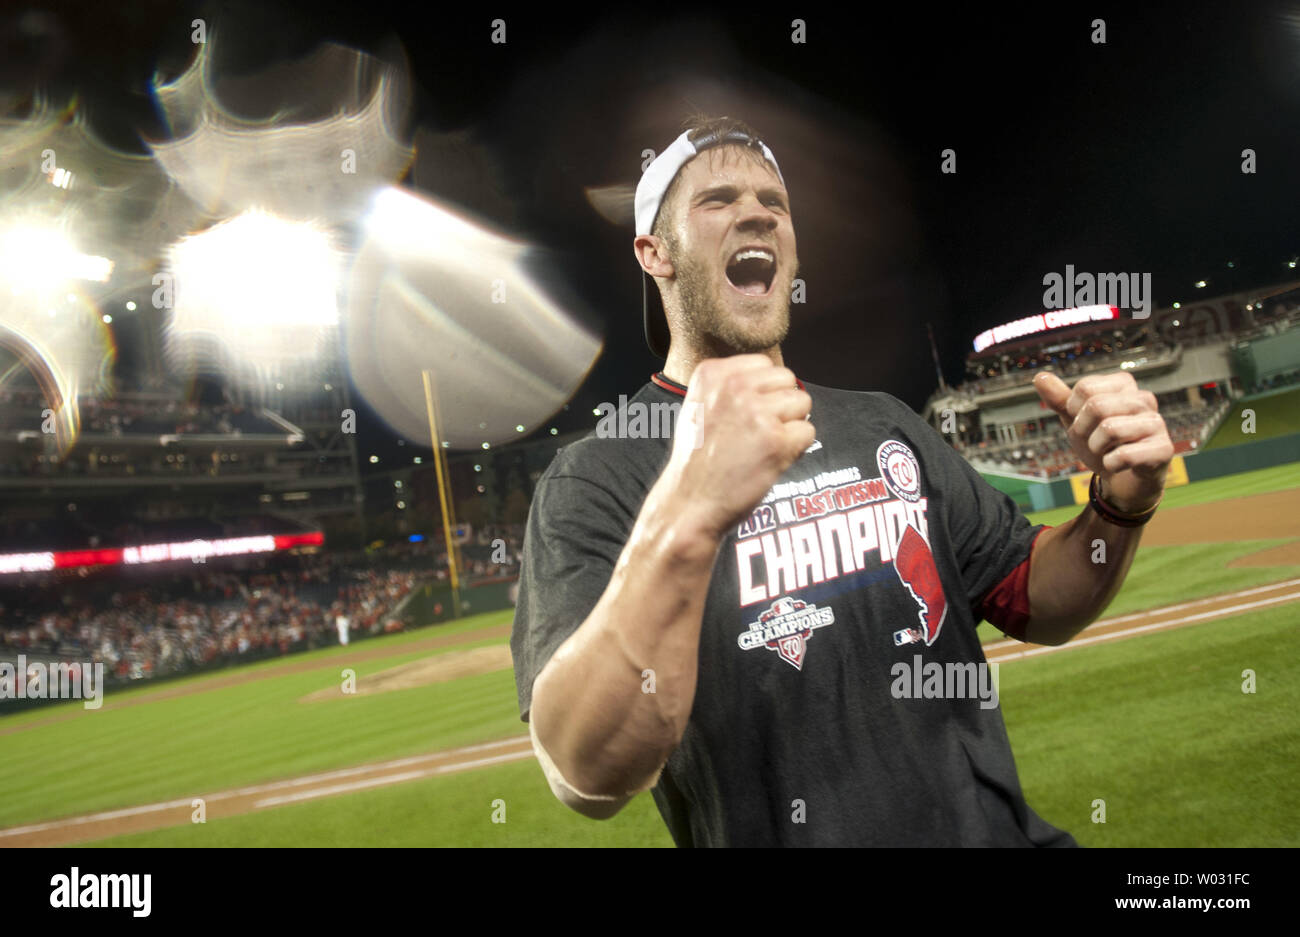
783, 606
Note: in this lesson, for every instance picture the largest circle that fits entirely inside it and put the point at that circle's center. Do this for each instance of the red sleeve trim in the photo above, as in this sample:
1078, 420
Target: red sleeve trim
1007, 604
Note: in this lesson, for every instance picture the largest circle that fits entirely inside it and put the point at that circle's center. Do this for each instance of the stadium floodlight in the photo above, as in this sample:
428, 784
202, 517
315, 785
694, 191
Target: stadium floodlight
48, 320
39, 258
263, 288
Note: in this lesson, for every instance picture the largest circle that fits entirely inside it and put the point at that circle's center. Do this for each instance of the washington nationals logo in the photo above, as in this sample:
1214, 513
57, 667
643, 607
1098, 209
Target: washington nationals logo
900, 470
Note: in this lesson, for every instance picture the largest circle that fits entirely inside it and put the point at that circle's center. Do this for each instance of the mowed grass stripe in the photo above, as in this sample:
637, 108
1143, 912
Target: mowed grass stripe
1275, 415
1157, 726
237, 735
196, 763
1163, 576
454, 810
340, 656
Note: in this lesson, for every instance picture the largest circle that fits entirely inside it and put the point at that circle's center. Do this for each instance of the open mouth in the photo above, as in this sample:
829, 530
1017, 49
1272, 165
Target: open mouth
751, 270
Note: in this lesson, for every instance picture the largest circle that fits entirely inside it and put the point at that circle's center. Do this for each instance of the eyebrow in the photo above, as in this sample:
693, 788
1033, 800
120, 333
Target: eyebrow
727, 189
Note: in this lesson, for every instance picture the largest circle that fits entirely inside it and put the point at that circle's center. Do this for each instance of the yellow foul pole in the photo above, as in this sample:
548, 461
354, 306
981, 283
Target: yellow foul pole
444, 487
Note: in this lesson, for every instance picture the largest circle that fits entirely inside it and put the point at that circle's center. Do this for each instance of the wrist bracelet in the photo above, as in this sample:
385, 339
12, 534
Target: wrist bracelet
1112, 516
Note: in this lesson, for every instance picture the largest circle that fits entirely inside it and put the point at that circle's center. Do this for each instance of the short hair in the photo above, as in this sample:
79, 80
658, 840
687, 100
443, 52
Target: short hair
699, 126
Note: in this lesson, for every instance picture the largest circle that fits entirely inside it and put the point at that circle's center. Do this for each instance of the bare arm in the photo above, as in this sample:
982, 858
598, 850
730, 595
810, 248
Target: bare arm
606, 735
1078, 568
1067, 590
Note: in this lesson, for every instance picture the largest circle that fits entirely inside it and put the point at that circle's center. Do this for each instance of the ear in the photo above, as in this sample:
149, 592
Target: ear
652, 254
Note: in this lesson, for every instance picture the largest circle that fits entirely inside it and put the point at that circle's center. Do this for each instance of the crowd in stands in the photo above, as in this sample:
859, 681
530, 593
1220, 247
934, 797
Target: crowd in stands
1109, 350
148, 622
1047, 453
112, 430
492, 551
21, 408
495, 550
1080, 359
126, 464
1274, 382
177, 624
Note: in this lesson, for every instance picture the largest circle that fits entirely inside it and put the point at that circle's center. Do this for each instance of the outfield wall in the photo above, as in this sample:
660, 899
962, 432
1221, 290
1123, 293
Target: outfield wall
433, 603
1243, 457
1031, 494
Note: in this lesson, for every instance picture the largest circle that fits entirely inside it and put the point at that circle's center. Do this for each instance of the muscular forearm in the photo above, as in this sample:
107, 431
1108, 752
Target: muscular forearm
1076, 570
1116, 431
607, 724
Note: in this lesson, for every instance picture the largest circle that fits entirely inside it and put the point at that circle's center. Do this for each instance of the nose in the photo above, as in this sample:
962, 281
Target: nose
756, 216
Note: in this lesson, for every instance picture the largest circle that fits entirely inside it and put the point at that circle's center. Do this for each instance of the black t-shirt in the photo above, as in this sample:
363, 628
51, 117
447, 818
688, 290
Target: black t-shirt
842, 696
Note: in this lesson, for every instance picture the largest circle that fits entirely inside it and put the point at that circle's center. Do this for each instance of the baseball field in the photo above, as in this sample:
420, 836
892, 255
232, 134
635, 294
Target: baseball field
1173, 720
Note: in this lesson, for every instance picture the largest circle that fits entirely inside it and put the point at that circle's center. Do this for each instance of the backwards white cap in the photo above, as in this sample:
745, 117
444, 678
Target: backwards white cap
659, 174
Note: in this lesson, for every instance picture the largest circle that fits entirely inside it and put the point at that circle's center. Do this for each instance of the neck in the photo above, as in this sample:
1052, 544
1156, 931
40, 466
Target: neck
682, 359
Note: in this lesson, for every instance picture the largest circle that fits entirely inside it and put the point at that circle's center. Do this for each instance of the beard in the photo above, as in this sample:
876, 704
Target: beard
706, 322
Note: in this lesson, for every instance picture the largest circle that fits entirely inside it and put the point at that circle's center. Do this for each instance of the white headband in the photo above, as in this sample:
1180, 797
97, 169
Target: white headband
659, 174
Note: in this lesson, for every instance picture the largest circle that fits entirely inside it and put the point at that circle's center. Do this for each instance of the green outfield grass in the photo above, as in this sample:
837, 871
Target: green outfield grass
1157, 726
394, 645
231, 736
456, 810
1275, 415
1167, 575
1259, 481
1135, 723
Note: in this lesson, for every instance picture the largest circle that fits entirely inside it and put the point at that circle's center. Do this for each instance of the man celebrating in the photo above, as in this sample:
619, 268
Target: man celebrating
737, 618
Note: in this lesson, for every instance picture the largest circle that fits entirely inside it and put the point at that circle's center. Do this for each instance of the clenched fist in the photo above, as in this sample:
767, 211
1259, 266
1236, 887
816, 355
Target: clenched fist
1116, 430
743, 423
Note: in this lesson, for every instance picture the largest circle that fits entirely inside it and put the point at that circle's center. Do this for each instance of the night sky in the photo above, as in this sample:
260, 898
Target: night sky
1123, 156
